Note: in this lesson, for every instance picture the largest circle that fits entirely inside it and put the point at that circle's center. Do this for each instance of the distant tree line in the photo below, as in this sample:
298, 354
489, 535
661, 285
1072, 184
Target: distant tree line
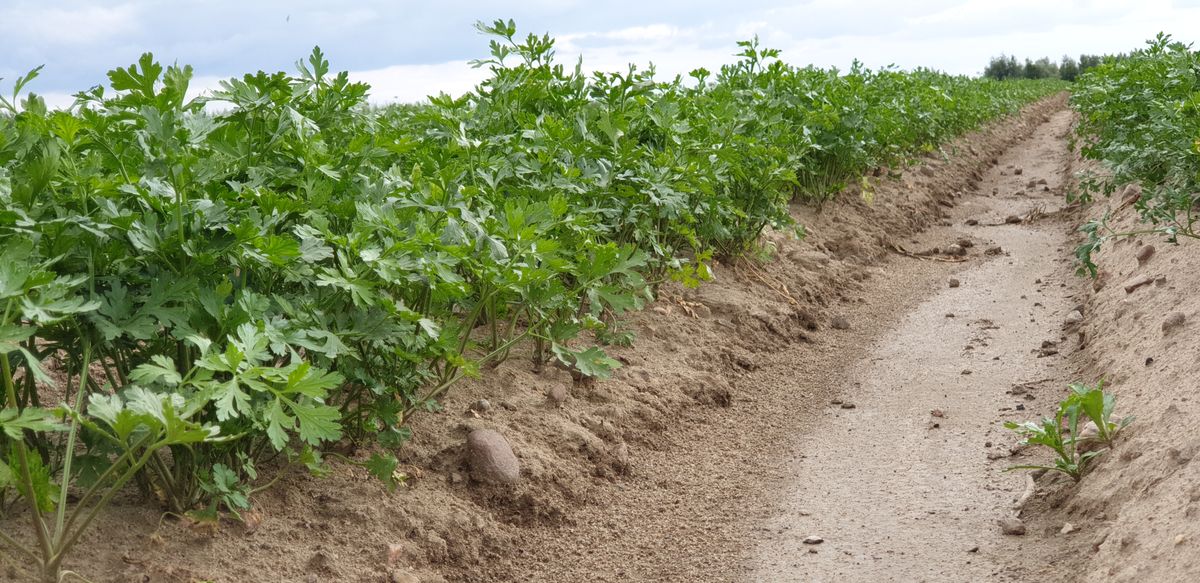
1008, 67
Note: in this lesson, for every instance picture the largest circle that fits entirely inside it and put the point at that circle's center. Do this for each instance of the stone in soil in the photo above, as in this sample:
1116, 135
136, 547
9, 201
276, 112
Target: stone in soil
1012, 526
492, 458
1139, 281
1144, 254
557, 394
813, 540
481, 406
394, 553
1174, 320
954, 282
840, 323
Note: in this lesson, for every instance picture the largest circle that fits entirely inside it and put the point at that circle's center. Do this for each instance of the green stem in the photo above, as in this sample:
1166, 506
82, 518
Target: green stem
103, 477
278, 475
39, 525
458, 374
67, 459
66, 547
169, 485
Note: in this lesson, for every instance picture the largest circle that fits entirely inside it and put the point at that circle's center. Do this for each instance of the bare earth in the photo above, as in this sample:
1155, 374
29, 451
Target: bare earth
901, 488
841, 389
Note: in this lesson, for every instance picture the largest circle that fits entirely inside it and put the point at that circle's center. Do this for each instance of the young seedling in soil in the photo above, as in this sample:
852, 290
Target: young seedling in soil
1062, 433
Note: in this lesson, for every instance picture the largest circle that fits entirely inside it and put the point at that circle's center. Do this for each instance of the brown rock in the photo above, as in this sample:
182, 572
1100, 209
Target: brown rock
840, 323
965, 243
492, 458
954, 282
1019, 171
1174, 320
1012, 219
1012, 526
956, 250
1144, 254
1137, 282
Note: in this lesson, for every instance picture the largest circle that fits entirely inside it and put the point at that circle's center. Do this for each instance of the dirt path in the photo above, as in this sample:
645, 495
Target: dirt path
901, 488
895, 492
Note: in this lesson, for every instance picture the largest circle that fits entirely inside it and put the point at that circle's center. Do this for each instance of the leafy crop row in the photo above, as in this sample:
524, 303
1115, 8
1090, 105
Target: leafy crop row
1140, 116
192, 292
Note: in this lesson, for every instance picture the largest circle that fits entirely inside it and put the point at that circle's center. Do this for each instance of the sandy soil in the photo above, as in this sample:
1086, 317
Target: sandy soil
1135, 516
723, 442
907, 486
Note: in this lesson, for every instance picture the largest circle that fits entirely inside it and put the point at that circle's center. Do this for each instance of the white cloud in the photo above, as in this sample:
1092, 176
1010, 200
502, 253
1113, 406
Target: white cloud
411, 83
68, 26
408, 55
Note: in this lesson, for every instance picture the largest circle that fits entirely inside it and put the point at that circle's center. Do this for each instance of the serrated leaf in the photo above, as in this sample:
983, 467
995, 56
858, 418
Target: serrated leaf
384, 468
14, 422
318, 423
279, 423
312, 382
231, 401
160, 369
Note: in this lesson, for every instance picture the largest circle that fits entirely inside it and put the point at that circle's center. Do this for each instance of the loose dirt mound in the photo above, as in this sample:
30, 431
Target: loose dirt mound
703, 405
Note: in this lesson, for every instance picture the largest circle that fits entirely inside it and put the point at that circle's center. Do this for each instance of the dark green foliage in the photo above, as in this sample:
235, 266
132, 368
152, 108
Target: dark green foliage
1140, 116
1068, 69
1008, 67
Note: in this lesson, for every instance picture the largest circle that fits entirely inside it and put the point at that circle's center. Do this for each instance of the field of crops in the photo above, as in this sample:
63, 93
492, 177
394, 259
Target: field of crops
1140, 117
197, 290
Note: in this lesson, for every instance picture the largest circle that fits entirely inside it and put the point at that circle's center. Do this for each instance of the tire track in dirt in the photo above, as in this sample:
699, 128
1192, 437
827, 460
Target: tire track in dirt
908, 485
734, 491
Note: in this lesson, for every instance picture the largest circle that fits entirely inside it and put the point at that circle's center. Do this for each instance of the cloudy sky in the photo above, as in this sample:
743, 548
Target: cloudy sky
409, 49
